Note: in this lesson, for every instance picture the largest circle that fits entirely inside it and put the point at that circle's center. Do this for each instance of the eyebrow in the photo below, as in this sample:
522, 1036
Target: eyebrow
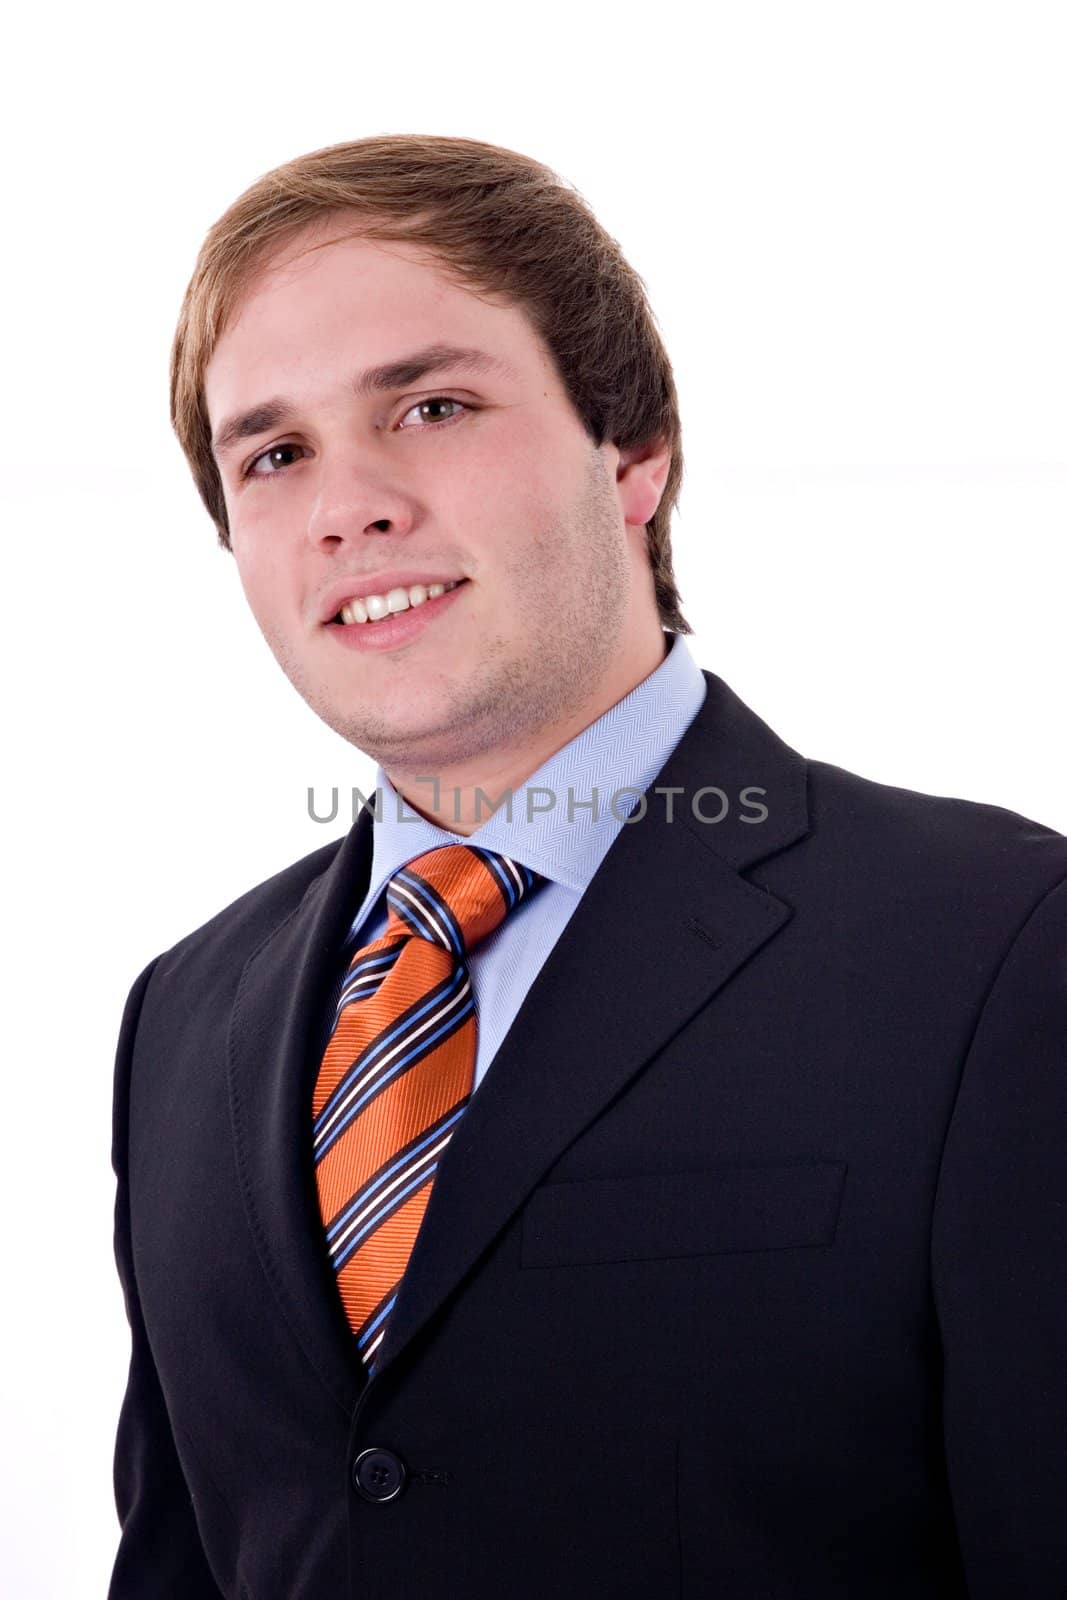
396, 374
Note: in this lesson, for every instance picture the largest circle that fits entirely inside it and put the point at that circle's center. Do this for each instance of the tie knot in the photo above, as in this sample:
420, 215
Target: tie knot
456, 895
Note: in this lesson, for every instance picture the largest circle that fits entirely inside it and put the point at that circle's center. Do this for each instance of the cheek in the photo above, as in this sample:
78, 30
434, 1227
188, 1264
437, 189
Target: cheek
261, 581
511, 478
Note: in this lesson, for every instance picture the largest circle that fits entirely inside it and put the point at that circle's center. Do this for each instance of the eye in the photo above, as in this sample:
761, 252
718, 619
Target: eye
436, 400
420, 405
267, 455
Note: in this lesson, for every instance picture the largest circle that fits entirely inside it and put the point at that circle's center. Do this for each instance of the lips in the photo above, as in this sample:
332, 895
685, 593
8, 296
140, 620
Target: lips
396, 629
374, 608
355, 585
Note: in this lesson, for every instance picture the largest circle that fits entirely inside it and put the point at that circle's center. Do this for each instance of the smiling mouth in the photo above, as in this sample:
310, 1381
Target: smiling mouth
372, 609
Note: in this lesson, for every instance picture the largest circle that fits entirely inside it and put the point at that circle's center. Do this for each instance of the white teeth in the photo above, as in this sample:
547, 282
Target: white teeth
373, 607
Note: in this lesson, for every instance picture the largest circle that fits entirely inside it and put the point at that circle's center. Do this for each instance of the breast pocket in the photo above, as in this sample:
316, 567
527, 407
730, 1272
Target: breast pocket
683, 1214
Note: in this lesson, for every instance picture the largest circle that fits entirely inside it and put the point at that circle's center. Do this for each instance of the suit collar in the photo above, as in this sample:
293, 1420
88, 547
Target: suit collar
698, 914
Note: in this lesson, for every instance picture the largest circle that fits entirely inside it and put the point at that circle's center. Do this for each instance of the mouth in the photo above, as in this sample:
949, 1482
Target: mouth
374, 609
355, 628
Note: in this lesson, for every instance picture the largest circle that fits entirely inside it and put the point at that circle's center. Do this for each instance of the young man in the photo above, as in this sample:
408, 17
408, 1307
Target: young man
653, 1184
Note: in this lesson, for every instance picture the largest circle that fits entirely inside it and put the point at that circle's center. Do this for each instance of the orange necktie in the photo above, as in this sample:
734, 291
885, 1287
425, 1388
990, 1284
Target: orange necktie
399, 1070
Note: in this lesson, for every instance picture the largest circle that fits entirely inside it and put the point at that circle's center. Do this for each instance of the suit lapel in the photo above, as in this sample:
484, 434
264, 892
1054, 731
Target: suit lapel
278, 1030
665, 922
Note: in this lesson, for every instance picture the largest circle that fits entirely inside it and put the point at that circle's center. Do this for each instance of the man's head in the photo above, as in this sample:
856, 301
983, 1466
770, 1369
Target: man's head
544, 475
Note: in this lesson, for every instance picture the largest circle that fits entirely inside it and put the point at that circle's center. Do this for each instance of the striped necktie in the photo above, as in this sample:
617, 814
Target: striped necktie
398, 1070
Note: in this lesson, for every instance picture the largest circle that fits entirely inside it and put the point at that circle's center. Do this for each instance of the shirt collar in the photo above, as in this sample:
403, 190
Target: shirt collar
553, 828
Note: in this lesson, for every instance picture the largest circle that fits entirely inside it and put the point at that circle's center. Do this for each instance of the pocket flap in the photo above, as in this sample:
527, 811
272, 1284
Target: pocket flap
682, 1214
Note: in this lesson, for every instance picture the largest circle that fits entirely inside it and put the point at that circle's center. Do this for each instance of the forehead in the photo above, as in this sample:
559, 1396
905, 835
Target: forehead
339, 265
328, 298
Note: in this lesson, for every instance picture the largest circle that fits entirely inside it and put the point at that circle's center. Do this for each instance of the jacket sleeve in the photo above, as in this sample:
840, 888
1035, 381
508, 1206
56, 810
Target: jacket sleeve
999, 1275
160, 1553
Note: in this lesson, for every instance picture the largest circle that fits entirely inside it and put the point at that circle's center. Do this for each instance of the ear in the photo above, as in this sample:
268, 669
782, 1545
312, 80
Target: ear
640, 475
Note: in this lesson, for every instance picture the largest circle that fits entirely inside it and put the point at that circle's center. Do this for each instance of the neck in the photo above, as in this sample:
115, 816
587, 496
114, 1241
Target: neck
462, 796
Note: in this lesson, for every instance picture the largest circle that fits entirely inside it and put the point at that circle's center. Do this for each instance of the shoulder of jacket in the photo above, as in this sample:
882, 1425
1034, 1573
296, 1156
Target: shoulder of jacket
239, 926
941, 838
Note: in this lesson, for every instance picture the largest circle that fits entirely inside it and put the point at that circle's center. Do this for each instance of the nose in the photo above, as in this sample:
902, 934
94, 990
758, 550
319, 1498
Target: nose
356, 498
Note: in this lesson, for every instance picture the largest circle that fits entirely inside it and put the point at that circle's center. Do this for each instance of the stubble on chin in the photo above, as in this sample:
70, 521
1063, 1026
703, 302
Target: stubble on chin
516, 694
498, 708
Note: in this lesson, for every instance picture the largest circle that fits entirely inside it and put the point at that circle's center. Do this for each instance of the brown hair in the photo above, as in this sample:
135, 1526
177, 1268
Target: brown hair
497, 222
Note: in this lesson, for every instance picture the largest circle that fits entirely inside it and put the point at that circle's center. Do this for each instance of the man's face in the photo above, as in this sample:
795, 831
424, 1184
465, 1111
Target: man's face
485, 476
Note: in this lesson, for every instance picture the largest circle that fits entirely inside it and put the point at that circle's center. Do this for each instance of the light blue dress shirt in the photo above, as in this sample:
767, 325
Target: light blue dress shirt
557, 833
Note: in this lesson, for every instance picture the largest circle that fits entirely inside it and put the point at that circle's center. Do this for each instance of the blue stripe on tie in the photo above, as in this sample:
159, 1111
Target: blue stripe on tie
428, 897
420, 1049
365, 1193
359, 969
505, 884
395, 1202
363, 982
409, 1168
419, 913
379, 1319
366, 1068
362, 1062
444, 911
414, 916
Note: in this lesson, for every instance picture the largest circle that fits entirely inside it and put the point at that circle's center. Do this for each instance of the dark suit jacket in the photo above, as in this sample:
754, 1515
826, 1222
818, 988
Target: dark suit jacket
742, 1276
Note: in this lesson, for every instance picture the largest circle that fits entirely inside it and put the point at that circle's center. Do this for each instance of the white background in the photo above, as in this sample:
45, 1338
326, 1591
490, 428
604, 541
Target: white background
850, 219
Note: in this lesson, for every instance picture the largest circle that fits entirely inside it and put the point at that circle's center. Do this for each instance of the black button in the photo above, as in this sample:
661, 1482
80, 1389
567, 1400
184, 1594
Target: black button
378, 1475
